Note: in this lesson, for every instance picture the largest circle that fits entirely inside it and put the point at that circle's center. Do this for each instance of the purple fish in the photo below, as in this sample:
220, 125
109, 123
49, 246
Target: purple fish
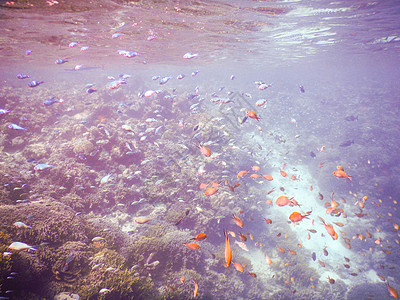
52, 100
34, 83
60, 61
23, 76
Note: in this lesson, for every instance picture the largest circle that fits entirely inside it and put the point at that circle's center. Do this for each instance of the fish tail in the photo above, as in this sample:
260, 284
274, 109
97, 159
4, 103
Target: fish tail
350, 177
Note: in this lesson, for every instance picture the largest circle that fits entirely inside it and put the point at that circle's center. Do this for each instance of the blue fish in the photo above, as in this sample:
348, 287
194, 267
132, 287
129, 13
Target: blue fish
52, 100
60, 61
41, 167
164, 80
27, 52
85, 48
128, 54
23, 76
4, 111
72, 44
15, 127
117, 35
34, 83
67, 261
91, 90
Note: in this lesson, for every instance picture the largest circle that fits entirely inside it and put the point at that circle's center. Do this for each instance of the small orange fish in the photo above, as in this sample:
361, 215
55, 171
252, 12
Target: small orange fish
280, 249
283, 200
210, 191
200, 237
253, 275
270, 191
196, 289
254, 176
268, 221
237, 220
338, 224
392, 291
228, 252
297, 217
253, 115
267, 259
267, 177
238, 267
203, 185
329, 229
192, 246
182, 279
292, 252
294, 177
283, 173
215, 184
311, 188
255, 168
321, 263
241, 174
342, 174
381, 277
242, 237
204, 150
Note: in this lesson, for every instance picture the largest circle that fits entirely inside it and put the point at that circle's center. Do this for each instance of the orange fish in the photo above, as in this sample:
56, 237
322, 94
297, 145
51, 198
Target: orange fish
255, 176
294, 177
238, 267
284, 200
253, 275
200, 237
329, 229
341, 174
215, 184
210, 191
270, 191
241, 174
297, 217
192, 246
268, 221
267, 177
392, 291
255, 168
338, 224
196, 289
203, 185
204, 150
237, 220
267, 259
253, 115
292, 252
182, 279
283, 173
228, 252
280, 249
311, 188
242, 237
320, 165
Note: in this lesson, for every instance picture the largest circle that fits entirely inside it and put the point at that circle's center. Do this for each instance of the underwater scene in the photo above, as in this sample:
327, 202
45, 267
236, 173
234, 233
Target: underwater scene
199, 149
